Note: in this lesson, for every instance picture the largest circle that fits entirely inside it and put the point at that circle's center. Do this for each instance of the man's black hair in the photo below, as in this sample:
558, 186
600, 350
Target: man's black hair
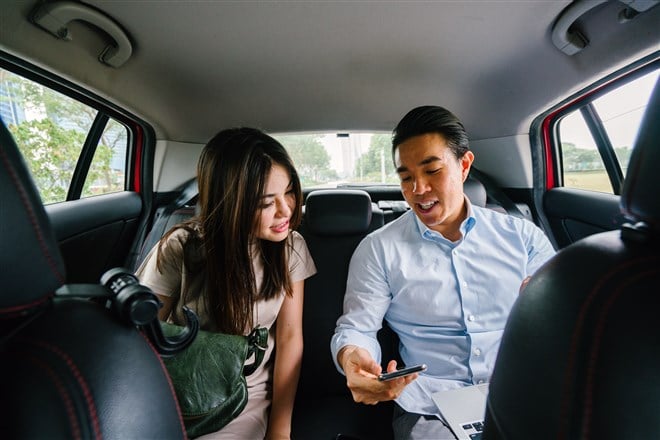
432, 119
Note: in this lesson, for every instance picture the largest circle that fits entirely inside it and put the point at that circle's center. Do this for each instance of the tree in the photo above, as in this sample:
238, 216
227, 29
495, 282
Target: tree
580, 159
52, 138
51, 153
376, 164
310, 158
623, 154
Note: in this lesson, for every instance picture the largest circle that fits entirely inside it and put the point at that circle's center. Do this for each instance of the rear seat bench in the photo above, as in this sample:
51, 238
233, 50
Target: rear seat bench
334, 223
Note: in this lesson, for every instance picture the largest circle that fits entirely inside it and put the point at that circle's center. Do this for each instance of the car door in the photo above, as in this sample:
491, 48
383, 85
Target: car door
588, 142
85, 156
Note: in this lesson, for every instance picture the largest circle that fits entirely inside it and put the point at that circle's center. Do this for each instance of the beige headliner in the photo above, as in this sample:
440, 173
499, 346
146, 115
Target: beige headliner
199, 66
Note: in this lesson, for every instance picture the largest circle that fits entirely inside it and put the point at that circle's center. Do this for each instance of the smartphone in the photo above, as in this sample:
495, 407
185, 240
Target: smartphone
402, 372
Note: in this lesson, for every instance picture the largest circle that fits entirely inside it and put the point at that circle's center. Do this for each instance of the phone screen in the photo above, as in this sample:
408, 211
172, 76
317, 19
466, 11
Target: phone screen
402, 372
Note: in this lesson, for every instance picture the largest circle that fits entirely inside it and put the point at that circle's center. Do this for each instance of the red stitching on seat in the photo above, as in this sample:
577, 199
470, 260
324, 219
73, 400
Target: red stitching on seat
570, 364
169, 382
13, 311
81, 381
68, 404
595, 351
31, 215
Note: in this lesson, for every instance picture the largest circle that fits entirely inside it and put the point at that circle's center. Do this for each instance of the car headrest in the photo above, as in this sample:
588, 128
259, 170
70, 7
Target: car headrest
475, 191
30, 261
640, 201
338, 212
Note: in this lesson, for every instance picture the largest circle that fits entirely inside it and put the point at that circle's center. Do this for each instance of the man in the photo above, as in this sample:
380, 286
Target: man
444, 276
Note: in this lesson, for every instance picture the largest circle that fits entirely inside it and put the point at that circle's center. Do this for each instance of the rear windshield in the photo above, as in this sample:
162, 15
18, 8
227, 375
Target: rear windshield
336, 160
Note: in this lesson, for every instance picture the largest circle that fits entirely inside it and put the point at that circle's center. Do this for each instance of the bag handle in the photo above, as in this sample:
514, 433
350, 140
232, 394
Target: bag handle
257, 345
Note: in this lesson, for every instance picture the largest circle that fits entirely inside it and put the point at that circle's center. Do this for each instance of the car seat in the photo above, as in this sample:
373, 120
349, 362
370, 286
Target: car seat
335, 222
70, 367
580, 354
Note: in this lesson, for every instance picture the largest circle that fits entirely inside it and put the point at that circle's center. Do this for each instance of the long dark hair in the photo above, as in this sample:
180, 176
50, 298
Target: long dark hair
232, 172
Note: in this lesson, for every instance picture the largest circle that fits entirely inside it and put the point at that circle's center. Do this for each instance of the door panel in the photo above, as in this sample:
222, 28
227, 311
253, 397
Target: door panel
95, 233
574, 214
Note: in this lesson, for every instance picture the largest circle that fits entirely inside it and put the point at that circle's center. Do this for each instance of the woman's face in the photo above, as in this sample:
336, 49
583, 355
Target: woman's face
277, 205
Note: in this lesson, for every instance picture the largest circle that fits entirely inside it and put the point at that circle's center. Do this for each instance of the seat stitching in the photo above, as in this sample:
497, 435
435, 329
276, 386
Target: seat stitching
567, 387
13, 311
597, 341
79, 377
68, 404
31, 215
169, 382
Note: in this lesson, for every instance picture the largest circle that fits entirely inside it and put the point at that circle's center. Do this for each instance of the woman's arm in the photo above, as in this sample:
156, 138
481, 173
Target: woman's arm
165, 311
288, 358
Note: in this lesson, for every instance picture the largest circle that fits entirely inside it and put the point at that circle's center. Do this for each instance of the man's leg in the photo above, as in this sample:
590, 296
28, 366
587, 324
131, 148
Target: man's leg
410, 426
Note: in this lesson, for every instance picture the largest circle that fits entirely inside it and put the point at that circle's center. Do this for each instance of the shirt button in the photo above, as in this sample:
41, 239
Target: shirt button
480, 381
471, 318
464, 284
477, 352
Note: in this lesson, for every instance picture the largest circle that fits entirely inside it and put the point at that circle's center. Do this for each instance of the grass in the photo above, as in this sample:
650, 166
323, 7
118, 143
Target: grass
590, 180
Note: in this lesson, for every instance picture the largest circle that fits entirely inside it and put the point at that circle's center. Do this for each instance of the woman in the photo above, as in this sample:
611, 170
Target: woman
238, 264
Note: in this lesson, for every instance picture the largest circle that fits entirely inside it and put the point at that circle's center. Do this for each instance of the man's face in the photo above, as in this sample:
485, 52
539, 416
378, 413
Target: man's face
432, 181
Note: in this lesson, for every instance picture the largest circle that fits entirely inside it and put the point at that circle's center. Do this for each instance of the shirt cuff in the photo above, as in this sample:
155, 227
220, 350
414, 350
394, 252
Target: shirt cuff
353, 337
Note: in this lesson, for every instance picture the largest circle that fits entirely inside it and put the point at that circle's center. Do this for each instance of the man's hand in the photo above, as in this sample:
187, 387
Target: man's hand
362, 372
523, 285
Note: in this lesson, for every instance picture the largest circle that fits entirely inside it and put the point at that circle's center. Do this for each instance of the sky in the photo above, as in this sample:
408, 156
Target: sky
621, 111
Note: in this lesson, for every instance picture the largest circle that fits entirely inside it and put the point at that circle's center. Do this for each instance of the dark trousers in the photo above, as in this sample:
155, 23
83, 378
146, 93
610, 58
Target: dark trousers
411, 426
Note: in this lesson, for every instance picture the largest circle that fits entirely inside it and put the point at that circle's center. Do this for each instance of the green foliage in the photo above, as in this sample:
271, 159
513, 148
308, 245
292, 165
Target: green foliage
310, 158
376, 164
51, 153
52, 138
582, 159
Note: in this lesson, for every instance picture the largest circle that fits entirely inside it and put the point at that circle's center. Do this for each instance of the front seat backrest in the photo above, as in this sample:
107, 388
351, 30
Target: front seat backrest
580, 355
70, 368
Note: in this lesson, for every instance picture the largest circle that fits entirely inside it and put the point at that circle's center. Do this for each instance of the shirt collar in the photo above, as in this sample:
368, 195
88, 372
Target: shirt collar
466, 225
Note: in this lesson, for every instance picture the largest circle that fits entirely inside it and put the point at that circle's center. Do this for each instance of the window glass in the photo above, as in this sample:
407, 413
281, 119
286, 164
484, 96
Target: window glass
108, 170
583, 166
50, 130
331, 160
619, 113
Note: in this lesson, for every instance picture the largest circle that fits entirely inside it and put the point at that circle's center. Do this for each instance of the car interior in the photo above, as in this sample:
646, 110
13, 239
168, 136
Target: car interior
105, 107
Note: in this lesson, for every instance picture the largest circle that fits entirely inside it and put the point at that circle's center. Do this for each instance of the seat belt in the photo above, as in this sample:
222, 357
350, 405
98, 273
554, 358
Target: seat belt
187, 191
495, 193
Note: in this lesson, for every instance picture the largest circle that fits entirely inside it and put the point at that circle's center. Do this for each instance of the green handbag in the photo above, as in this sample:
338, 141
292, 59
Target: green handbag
209, 376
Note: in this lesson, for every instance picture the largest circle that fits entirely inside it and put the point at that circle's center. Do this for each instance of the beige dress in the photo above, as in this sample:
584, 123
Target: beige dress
253, 421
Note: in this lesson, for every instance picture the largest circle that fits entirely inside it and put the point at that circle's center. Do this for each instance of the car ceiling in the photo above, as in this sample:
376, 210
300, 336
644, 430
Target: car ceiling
198, 66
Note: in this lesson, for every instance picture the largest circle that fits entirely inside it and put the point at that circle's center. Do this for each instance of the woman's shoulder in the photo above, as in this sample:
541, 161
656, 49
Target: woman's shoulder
301, 264
174, 240
296, 240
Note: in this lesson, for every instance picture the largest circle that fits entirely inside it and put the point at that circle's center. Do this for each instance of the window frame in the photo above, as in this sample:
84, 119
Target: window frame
139, 133
551, 139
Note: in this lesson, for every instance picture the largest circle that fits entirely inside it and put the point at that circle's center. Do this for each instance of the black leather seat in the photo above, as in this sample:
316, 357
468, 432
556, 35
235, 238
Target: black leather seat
70, 368
335, 222
580, 355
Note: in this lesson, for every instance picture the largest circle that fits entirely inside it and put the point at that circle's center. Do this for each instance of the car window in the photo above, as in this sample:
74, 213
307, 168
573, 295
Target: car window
56, 134
332, 160
597, 138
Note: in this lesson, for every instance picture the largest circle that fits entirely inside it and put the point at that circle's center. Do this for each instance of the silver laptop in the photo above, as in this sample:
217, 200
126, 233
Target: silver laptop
464, 409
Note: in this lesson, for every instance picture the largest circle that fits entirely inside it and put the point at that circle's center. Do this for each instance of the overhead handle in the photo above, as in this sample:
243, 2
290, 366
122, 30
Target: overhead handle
567, 39
55, 17
570, 40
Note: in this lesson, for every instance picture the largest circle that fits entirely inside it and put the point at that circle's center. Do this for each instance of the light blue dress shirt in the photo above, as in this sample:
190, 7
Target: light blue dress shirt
447, 301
